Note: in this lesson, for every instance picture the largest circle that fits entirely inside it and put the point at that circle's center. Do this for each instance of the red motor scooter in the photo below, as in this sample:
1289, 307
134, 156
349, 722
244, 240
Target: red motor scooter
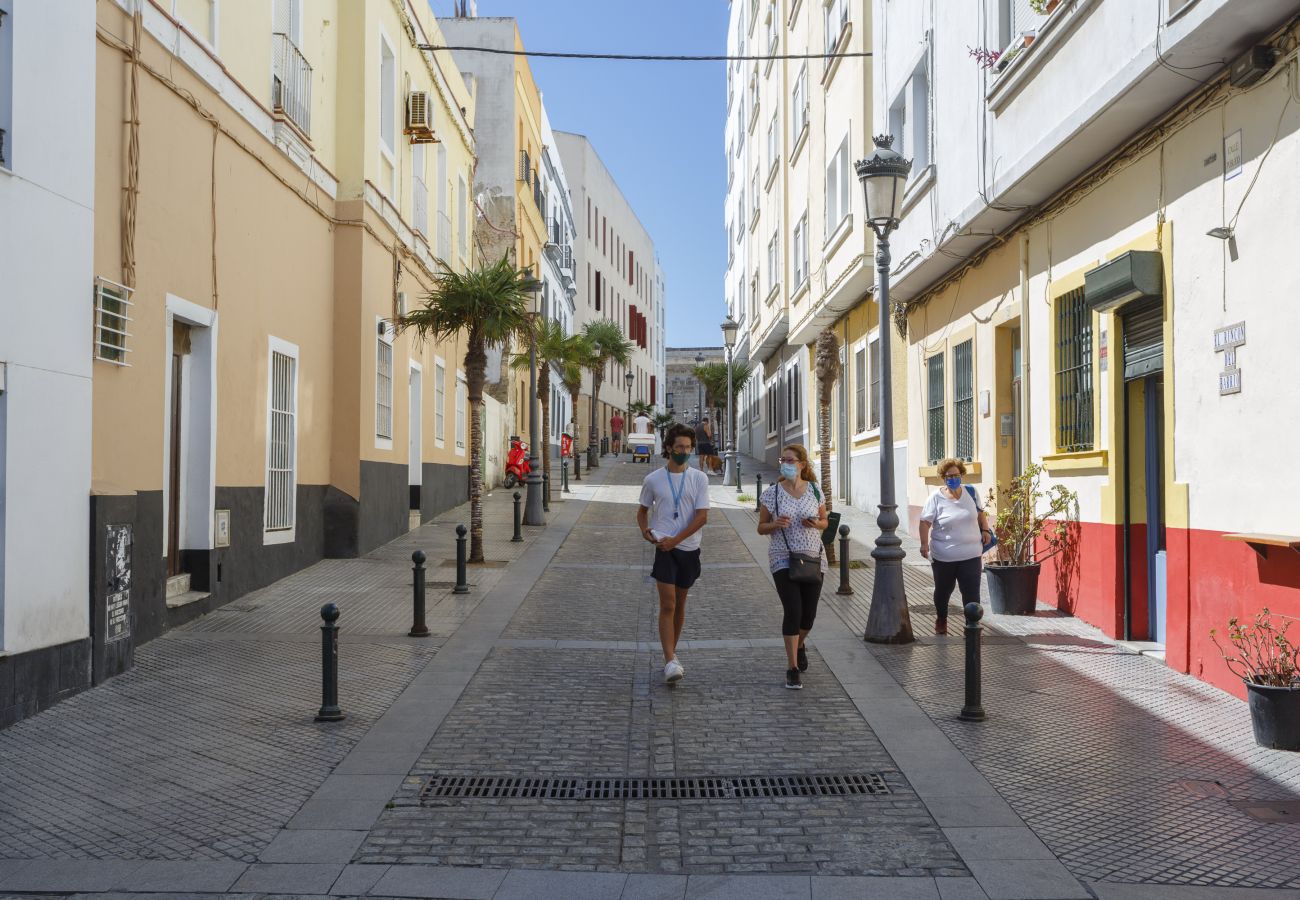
517, 465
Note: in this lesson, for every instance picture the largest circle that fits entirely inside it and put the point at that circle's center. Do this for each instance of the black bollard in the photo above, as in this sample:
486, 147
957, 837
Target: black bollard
418, 627
518, 534
546, 492
564, 477
577, 466
329, 666
462, 584
758, 492
845, 587
739, 490
973, 711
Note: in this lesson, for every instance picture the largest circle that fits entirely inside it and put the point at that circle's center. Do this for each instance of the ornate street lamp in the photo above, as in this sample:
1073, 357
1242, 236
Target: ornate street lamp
729, 330
699, 404
884, 178
534, 513
628, 379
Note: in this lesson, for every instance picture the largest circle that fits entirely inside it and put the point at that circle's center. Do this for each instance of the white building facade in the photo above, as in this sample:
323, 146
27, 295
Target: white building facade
47, 313
559, 286
1097, 276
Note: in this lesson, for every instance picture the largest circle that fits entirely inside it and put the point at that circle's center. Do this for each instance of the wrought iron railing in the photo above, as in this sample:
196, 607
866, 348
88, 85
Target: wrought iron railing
1073, 373
291, 83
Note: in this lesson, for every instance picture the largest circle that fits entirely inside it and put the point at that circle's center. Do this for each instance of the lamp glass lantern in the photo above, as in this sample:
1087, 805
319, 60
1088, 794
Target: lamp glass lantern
884, 179
729, 331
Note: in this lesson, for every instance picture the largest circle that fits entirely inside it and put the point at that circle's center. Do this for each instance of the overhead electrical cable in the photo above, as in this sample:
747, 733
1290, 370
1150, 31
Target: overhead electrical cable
647, 57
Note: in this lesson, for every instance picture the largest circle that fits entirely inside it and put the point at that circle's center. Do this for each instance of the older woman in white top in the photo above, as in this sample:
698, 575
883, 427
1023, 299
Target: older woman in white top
953, 529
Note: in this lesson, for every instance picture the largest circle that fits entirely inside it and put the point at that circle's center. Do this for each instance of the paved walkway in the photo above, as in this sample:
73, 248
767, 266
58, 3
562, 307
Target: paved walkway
1100, 773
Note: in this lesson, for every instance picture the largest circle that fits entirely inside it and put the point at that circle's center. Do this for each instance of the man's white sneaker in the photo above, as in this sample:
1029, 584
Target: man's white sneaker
673, 672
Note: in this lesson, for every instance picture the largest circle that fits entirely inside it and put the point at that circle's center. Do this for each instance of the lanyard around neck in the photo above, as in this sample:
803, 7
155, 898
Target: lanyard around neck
676, 491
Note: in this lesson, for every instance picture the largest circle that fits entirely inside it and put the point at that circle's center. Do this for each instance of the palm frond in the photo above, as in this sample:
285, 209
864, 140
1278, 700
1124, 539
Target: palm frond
491, 304
608, 343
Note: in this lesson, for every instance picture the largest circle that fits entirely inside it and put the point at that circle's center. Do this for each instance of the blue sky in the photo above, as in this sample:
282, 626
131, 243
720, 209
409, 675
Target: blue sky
658, 126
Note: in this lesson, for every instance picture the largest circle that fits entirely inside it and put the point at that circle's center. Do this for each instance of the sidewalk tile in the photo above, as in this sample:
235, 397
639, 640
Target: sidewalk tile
313, 846
1107, 891
530, 884
956, 812
997, 842
287, 878
654, 887
358, 787
1026, 879
356, 881
10, 867
960, 889
344, 815
749, 887
168, 876
828, 887
376, 763
461, 883
59, 875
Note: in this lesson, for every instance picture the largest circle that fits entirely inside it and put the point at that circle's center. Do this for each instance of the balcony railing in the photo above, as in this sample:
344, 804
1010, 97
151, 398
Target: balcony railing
538, 197
291, 83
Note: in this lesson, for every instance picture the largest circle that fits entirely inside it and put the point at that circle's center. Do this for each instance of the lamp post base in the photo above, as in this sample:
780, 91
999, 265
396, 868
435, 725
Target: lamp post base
889, 621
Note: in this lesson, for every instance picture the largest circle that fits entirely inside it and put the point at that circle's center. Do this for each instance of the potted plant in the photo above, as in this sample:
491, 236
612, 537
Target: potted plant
1265, 659
1032, 525
1043, 7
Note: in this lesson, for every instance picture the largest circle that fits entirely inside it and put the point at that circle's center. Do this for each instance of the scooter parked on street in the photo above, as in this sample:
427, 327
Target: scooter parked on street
517, 465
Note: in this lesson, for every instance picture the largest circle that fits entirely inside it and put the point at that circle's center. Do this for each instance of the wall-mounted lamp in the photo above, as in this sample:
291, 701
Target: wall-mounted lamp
1222, 232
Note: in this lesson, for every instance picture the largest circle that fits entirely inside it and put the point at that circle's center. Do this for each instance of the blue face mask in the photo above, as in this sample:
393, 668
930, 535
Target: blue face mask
953, 483
789, 470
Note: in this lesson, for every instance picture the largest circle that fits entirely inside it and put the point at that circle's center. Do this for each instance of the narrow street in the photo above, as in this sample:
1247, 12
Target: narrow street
201, 771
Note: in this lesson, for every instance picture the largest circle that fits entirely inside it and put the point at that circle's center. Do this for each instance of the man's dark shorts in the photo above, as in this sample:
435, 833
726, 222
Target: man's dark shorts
676, 567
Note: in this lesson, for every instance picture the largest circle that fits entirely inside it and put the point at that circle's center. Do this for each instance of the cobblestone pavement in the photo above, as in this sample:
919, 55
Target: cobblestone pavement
597, 706
207, 747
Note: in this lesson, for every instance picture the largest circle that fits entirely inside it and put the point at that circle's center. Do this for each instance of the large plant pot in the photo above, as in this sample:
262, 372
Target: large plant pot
1013, 590
1275, 715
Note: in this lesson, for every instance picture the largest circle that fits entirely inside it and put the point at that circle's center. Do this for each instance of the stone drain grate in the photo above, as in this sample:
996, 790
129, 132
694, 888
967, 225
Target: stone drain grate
735, 787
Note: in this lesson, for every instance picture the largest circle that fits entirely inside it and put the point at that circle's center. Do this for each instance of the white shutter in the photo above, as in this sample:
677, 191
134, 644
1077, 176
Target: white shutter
1023, 18
287, 19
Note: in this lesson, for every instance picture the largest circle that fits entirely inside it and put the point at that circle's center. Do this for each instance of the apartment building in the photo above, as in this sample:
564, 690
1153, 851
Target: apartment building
800, 258
619, 278
1097, 277
559, 282
47, 194
273, 184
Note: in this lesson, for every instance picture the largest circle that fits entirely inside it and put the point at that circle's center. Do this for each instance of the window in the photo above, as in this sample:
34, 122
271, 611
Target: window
281, 443
419, 193
860, 390
801, 251
837, 17
799, 105
462, 404
740, 302
753, 95
112, 305
753, 197
934, 407
773, 148
444, 219
740, 216
874, 353
753, 295
774, 261
963, 399
837, 189
794, 395
1018, 16
773, 25
439, 401
909, 119
771, 407
384, 385
1073, 373
462, 217
199, 18
387, 115
6, 83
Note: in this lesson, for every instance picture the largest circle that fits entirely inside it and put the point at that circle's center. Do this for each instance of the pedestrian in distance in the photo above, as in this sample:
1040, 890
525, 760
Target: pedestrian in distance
674, 507
615, 432
792, 514
954, 535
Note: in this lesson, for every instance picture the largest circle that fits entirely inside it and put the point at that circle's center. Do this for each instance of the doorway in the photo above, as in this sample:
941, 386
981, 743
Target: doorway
176, 459
415, 438
1145, 582
1007, 389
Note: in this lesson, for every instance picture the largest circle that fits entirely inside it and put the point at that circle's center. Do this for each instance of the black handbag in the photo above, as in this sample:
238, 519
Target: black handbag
804, 567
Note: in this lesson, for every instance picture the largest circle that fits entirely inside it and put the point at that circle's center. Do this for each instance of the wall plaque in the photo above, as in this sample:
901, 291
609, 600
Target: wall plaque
117, 574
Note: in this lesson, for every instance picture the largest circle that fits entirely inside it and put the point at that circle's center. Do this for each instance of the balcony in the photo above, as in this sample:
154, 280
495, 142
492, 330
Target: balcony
291, 83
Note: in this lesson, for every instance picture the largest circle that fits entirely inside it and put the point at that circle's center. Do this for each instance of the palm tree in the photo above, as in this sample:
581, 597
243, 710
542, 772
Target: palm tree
578, 354
714, 378
490, 305
551, 345
640, 407
827, 366
608, 345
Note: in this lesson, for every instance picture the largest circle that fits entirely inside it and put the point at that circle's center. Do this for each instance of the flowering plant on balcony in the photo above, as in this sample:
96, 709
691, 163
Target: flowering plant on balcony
1262, 652
984, 56
1043, 7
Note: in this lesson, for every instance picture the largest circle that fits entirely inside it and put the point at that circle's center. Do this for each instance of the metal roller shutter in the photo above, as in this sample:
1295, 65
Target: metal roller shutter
1144, 338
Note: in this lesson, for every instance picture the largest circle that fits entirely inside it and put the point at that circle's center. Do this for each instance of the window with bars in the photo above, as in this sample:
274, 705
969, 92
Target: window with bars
794, 396
281, 442
874, 354
936, 444
112, 316
1073, 373
439, 400
860, 390
384, 388
963, 399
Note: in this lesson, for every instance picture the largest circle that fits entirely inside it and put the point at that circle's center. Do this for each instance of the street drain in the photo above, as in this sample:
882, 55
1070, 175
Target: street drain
739, 787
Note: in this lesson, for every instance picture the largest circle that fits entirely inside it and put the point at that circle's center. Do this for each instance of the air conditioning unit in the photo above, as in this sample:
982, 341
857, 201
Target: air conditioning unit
419, 118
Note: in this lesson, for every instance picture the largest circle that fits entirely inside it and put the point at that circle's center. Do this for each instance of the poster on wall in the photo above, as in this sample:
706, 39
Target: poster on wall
117, 574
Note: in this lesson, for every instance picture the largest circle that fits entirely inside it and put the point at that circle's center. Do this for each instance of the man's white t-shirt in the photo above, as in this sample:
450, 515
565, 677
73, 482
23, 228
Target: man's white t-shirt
954, 526
642, 425
667, 518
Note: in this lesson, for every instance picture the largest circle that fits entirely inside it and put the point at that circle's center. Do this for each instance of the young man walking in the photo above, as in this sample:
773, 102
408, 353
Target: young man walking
616, 433
674, 507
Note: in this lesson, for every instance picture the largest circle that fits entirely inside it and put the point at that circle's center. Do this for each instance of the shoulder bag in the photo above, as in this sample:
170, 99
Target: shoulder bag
993, 538
805, 568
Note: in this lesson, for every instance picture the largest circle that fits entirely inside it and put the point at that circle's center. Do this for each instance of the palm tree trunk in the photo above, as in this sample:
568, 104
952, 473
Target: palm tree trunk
544, 396
475, 368
593, 444
824, 438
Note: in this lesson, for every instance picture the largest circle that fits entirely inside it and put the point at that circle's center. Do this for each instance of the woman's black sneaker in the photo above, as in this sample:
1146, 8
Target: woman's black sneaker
802, 657
792, 680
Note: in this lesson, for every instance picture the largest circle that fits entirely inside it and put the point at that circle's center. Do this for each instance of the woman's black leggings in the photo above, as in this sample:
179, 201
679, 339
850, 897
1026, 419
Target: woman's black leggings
964, 573
799, 600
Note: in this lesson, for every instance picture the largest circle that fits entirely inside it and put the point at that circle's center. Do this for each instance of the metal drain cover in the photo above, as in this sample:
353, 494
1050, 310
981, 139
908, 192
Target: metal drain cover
1280, 812
733, 787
